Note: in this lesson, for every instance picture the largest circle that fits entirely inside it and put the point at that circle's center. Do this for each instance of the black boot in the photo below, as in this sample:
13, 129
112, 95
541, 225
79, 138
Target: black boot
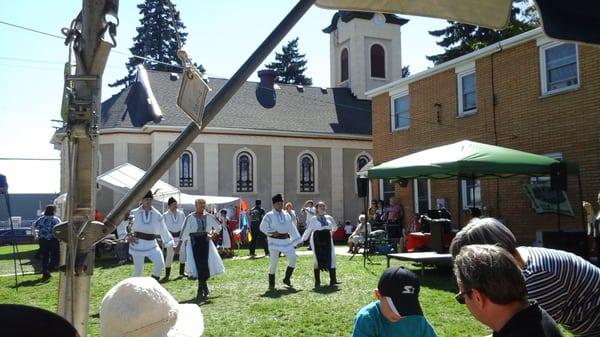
182, 270
332, 278
200, 296
317, 278
206, 292
271, 281
167, 273
288, 274
157, 278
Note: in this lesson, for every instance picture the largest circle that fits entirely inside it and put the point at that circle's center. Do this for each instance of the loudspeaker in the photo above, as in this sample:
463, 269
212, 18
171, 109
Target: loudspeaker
558, 176
362, 186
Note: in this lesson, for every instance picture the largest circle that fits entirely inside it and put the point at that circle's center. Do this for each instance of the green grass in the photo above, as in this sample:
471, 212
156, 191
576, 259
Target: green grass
241, 306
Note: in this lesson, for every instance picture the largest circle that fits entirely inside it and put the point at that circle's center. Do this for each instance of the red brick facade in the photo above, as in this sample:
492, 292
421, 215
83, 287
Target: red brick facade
511, 112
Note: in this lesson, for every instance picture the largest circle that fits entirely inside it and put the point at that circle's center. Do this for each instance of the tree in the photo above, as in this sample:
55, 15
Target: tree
405, 71
290, 65
156, 40
459, 39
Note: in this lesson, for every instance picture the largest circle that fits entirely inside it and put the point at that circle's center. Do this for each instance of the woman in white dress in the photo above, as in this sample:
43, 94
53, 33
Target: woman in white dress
320, 231
204, 260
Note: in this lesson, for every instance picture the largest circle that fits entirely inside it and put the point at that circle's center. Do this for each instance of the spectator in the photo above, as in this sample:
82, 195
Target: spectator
49, 245
372, 211
574, 300
395, 212
122, 248
359, 235
492, 287
348, 229
256, 215
289, 208
397, 311
141, 307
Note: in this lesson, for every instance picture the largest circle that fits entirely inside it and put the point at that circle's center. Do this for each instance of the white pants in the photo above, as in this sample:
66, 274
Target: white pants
274, 257
155, 255
171, 255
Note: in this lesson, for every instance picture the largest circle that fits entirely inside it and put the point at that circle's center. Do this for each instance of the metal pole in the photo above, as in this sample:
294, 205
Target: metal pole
583, 219
192, 131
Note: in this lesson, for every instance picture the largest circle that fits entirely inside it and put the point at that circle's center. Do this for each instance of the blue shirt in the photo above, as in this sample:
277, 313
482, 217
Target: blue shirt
44, 225
370, 322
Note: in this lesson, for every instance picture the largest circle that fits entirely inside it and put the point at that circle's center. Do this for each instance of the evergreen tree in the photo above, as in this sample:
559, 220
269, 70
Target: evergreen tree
290, 65
156, 40
459, 39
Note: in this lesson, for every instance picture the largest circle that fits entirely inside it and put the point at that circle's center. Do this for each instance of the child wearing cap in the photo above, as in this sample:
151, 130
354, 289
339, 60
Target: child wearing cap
397, 311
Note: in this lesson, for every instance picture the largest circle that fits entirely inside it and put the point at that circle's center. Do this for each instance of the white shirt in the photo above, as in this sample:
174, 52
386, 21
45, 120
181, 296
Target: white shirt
192, 225
174, 221
281, 222
150, 222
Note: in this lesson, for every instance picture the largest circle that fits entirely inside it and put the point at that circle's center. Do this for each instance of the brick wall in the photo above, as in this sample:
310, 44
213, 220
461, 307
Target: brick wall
521, 119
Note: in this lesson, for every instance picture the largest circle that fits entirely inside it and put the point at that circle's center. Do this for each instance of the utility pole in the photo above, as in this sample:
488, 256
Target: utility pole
79, 233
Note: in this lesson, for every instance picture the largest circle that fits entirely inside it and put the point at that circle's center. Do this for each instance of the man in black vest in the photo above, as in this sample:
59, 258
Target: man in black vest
256, 215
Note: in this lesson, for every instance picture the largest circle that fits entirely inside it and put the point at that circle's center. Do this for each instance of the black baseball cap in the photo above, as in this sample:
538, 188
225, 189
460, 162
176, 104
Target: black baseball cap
402, 287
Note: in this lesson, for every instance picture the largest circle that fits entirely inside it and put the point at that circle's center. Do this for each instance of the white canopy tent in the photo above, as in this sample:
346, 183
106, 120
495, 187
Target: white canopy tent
123, 177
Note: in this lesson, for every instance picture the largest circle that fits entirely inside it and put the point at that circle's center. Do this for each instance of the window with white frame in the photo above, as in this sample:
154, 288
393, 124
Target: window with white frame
467, 93
400, 112
344, 65
471, 193
559, 67
244, 172
186, 169
387, 190
377, 61
307, 173
422, 195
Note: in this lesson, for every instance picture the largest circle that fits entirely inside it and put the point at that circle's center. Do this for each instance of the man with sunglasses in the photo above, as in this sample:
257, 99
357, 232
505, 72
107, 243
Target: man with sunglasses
493, 289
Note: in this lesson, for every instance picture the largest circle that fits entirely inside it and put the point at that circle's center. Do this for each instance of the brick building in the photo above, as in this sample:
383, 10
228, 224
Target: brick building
528, 93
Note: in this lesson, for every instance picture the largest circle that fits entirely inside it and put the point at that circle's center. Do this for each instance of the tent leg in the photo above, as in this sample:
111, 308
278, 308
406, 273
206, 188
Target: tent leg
586, 252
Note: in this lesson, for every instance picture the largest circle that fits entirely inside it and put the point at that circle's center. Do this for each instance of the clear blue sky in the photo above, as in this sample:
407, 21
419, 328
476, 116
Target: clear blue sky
221, 36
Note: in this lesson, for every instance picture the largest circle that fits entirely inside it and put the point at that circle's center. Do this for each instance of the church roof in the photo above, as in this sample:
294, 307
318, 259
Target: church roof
298, 109
346, 16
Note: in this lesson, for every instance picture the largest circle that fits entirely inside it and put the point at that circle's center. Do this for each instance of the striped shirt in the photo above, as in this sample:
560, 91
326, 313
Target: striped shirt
566, 286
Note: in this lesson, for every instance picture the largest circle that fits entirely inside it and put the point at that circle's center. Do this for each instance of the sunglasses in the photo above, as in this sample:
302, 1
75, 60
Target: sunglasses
460, 297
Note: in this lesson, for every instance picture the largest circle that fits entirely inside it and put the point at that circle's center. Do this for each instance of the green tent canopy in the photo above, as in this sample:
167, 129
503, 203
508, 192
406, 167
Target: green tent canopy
466, 159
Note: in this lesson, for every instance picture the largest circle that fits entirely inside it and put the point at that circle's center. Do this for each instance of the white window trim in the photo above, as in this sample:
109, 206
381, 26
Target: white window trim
194, 170
385, 62
382, 192
315, 169
366, 154
254, 173
339, 58
463, 191
543, 77
459, 77
416, 195
392, 110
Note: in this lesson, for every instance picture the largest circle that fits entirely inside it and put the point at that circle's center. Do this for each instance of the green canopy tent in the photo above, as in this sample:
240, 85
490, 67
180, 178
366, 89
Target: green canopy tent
471, 160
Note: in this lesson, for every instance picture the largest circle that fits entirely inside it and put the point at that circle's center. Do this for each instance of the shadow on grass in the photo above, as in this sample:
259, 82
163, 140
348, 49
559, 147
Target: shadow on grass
326, 289
276, 293
31, 283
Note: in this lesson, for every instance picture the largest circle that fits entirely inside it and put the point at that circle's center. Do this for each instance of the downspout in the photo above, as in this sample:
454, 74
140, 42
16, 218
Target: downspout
495, 128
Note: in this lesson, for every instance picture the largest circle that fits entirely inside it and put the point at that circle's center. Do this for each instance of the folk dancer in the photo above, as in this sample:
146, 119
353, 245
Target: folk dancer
320, 231
174, 219
282, 236
147, 223
225, 247
204, 260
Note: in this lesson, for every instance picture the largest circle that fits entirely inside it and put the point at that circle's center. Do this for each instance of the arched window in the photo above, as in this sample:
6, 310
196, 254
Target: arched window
344, 65
361, 161
245, 174
377, 61
186, 170
307, 173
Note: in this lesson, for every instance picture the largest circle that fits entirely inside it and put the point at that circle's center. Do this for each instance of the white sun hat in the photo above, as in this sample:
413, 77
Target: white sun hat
141, 307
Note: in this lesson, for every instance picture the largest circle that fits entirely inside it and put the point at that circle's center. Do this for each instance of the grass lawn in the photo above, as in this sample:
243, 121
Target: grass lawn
241, 306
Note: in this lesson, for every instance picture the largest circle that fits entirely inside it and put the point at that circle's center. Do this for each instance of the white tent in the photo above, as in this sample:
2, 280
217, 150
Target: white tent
123, 177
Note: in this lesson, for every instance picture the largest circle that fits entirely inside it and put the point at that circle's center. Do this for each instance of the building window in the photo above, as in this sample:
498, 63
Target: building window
344, 65
422, 195
244, 172
559, 67
307, 173
377, 61
467, 94
400, 113
471, 193
387, 190
186, 170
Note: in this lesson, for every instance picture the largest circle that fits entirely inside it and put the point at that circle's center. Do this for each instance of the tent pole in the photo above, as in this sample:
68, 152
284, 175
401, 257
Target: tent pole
459, 200
583, 219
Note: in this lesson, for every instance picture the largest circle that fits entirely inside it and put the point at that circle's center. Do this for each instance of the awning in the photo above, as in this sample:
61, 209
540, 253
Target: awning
123, 177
